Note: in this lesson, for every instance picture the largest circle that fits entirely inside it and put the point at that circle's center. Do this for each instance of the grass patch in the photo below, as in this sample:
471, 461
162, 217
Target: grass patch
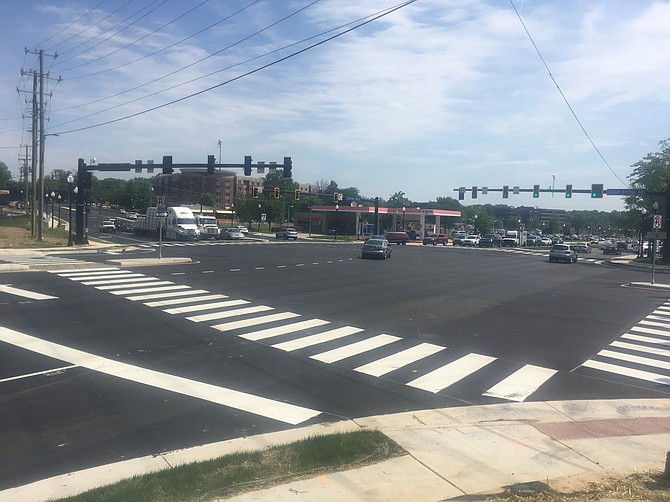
15, 234
250, 470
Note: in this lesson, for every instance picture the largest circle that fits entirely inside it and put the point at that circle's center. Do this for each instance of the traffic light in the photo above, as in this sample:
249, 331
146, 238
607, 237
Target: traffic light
597, 191
210, 164
86, 180
297, 194
461, 193
336, 197
536, 191
167, 164
254, 192
288, 166
277, 192
568, 191
474, 192
247, 165
505, 192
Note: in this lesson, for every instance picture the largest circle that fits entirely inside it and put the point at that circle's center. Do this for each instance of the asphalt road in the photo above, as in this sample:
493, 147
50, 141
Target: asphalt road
106, 370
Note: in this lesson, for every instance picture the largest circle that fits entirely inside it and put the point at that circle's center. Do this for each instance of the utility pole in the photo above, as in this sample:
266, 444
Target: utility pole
38, 121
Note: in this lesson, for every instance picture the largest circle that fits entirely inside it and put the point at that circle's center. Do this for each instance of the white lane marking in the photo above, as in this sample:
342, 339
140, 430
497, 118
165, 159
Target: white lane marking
265, 407
651, 331
282, 330
180, 301
123, 275
521, 384
399, 359
641, 348
254, 322
38, 373
229, 313
449, 374
128, 281
4, 288
159, 286
80, 270
86, 273
652, 323
167, 294
635, 359
178, 273
355, 348
326, 336
639, 338
205, 306
629, 372
136, 285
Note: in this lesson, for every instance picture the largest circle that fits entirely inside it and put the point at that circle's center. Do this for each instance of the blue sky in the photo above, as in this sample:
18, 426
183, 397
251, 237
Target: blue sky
433, 96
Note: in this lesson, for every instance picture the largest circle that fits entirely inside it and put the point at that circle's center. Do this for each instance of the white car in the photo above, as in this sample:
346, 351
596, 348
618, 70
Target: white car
232, 234
242, 229
470, 240
287, 233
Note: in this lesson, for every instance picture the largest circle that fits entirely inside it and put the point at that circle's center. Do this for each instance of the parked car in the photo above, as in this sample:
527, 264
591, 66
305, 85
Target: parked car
509, 242
376, 248
457, 237
471, 240
582, 247
546, 241
397, 238
242, 229
611, 248
490, 241
563, 252
107, 226
436, 239
232, 233
286, 234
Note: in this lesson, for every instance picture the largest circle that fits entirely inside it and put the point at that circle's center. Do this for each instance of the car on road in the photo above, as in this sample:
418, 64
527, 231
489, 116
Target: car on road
436, 239
107, 226
563, 252
611, 248
490, 241
242, 229
458, 236
582, 247
509, 242
397, 238
471, 240
232, 233
376, 248
286, 234
546, 241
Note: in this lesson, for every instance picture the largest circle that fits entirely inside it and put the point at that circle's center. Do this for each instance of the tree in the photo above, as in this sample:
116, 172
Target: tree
5, 175
397, 200
653, 174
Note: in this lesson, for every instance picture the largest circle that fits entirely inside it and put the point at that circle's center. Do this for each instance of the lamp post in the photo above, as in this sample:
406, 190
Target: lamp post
70, 180
53, 199
640, 248
403, 218
220, 142
653, 247
59, 199
259, 218
337, 209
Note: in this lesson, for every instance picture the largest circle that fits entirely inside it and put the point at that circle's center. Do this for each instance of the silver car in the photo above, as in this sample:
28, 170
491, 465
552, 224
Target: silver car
232, 234
376, 248
287, 233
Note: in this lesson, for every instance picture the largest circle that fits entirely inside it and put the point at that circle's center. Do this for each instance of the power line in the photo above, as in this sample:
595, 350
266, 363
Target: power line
574, 114
246, 74
68, 27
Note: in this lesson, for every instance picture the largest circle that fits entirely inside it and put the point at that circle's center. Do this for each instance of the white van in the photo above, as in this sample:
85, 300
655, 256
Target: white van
181, 224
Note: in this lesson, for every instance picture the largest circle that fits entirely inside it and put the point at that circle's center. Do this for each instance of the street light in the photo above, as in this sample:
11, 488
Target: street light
53, 199
59, 199
70, 180
220, 142
403, 218
259, 218
654, 206
640, 249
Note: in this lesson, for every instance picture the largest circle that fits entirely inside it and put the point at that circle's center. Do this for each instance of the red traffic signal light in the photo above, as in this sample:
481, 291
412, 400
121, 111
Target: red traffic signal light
277, 192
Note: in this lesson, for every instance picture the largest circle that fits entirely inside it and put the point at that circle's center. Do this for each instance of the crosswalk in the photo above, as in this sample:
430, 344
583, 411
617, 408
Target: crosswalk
38, 260
642, 353
424, 366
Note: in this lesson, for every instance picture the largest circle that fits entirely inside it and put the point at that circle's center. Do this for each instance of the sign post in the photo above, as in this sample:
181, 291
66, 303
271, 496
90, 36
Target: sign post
160, 214
658, 223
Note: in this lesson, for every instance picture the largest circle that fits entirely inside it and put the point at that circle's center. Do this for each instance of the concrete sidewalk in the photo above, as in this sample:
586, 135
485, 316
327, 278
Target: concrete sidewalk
451, 452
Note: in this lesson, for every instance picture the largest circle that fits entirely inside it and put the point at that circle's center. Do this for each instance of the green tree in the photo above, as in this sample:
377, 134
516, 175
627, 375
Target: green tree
653, 174
5, 175
397, 200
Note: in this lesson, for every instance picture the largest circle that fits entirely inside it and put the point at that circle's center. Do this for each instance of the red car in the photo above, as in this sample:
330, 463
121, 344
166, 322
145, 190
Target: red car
436, 239
397, 238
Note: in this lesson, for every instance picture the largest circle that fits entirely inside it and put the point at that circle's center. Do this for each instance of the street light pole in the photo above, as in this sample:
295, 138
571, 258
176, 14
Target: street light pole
337, 209
653, 248
640, 246
59, 199
259, 218
403, 218
70, 180
53, 199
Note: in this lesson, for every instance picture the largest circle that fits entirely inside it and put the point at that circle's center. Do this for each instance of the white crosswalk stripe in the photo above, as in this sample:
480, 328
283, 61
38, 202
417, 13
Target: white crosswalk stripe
288, 331
642, 353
